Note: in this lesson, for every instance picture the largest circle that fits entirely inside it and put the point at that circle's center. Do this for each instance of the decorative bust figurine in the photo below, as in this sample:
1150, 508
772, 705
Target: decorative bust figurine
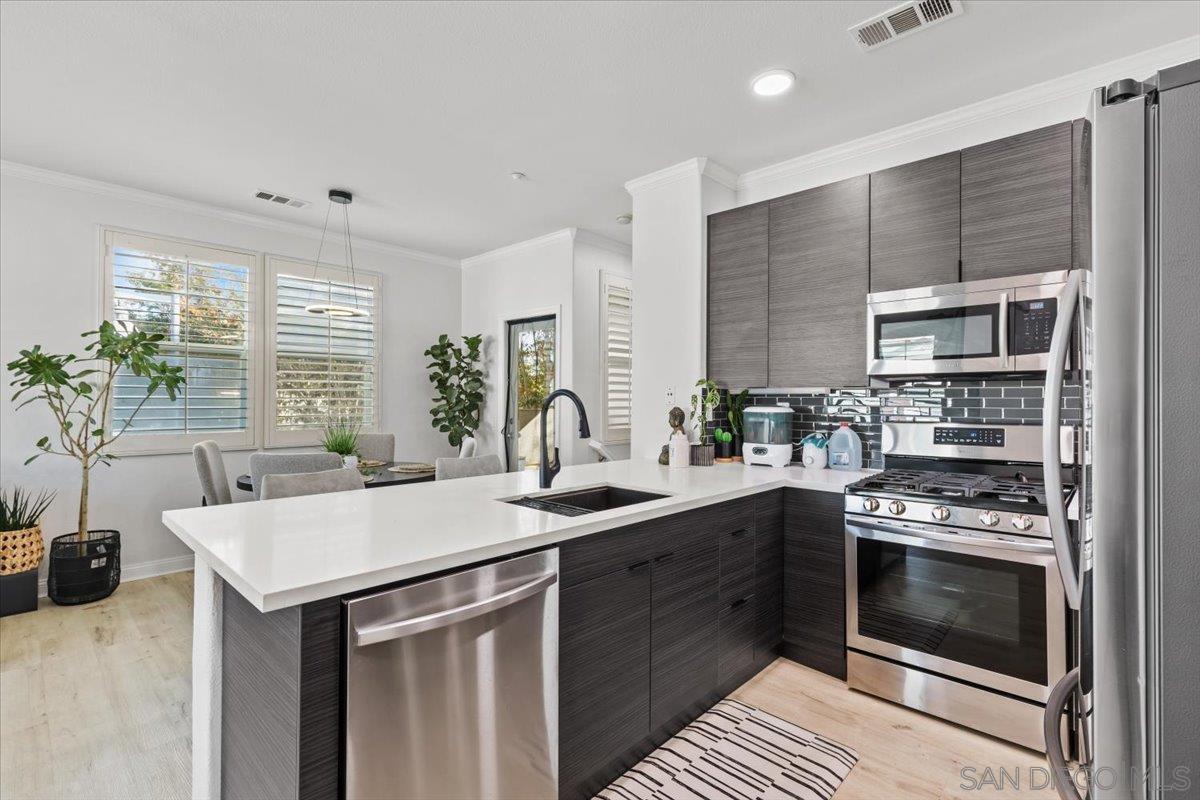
676, 419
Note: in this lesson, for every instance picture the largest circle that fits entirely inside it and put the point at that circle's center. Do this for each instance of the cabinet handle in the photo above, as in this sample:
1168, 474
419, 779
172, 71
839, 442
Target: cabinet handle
741, 601
664, 557
639, 565
739, 532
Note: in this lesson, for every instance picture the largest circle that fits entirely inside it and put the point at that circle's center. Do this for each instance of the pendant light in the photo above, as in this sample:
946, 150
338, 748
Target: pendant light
331, 309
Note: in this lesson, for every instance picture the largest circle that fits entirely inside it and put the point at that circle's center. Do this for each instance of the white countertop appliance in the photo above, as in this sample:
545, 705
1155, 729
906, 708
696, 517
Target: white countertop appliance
767, 435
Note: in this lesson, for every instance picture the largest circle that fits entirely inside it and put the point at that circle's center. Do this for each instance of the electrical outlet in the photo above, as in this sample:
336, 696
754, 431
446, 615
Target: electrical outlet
670, 397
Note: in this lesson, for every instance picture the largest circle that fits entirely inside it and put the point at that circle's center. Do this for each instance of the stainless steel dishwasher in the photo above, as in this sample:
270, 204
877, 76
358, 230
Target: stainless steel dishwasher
452, 685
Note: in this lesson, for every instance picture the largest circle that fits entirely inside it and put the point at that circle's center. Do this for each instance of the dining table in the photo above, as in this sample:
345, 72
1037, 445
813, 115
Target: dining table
381, 476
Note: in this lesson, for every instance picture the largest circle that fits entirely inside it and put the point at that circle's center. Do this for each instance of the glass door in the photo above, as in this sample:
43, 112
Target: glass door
532, 360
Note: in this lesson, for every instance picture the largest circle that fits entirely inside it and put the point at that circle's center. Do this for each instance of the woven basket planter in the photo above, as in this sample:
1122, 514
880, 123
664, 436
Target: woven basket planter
20, 553
83, 572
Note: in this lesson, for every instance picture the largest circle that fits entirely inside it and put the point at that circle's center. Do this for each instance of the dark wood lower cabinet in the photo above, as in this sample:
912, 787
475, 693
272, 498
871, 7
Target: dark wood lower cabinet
603, 669
768, 576
814, 580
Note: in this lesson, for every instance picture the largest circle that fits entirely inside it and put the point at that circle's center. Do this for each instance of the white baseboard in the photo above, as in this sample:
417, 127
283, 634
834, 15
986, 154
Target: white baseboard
147, 569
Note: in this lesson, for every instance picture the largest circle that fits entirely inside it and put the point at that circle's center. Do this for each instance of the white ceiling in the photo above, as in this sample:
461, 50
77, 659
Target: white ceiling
422, 109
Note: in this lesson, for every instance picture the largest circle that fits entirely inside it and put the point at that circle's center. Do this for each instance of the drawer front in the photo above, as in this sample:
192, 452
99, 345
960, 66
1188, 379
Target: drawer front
604, 553
735, 638
737, 564
731, 516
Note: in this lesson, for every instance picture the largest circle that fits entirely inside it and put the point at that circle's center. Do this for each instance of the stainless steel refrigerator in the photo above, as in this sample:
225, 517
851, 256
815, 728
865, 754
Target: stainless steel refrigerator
1131, 557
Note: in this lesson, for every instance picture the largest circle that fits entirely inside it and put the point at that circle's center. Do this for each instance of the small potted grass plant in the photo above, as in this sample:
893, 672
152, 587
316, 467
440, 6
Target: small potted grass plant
21, 548
341, 437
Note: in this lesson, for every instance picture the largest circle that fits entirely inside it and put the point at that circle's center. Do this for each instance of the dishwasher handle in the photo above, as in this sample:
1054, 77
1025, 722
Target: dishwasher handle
407, 627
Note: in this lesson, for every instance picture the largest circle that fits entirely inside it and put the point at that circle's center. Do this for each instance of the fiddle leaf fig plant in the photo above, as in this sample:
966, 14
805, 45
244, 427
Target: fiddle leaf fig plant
78, 391
455, 373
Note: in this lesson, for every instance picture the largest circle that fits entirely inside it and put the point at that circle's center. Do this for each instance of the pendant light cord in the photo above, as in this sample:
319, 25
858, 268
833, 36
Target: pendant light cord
320, 249
350, 256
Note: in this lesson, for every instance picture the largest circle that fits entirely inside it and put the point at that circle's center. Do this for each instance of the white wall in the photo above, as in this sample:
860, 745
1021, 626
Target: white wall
50, 268
669, 280
593, 255
527, 279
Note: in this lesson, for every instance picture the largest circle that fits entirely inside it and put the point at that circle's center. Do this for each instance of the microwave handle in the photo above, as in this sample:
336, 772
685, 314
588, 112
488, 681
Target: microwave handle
1056, 505
1006, 355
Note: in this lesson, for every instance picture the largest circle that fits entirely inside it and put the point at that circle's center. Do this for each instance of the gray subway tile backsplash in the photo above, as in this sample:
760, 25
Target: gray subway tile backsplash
1008, 401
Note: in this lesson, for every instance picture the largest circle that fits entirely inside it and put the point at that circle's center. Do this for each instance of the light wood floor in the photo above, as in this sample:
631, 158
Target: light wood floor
95, 703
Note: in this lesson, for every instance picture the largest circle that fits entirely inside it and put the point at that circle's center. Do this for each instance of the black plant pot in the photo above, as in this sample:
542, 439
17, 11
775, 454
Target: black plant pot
18, 592
83, 572
737, 447
724, 450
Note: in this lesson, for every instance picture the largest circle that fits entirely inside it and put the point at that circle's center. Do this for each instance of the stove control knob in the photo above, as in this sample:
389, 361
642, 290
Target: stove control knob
870, 504
940, 513
896, 507
1022, 522
989, 518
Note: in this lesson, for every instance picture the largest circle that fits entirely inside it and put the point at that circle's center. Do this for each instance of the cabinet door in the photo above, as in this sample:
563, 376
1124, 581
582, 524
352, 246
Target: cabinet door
603, 674
768, 576
817, 295
737, 297
683, 643
914, 224
814, 580
1016, 204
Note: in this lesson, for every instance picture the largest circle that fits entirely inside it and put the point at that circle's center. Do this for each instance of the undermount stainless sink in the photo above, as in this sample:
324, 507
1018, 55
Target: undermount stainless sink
586, 501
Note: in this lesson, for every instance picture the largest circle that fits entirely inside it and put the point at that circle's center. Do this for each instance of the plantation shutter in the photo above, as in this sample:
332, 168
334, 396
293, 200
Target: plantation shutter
324, 367
201, 300
616, 314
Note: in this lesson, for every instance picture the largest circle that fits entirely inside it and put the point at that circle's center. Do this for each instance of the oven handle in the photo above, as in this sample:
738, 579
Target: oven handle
1056, 506
964, 544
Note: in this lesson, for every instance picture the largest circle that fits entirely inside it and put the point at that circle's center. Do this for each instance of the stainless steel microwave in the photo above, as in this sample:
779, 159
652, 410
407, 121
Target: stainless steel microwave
979, 327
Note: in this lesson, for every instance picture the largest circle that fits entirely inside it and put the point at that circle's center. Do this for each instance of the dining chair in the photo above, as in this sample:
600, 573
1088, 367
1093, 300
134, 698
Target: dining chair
288, 464
377, 446
446, 468
214, 483
468, 447
275, 486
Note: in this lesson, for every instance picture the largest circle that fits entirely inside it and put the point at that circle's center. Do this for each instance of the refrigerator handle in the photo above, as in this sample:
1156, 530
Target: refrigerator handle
1064, 783
1056, 505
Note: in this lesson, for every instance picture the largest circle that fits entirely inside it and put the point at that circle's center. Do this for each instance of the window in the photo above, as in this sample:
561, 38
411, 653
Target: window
201, 299
616, 355
319, 366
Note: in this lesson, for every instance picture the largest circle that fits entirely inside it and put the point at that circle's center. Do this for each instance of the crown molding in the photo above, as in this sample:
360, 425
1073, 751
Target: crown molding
1076, 84
566, 234
11, 169
719, 173
583, 236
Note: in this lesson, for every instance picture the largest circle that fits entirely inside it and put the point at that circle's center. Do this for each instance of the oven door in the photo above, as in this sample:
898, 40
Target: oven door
977, 607
961, 333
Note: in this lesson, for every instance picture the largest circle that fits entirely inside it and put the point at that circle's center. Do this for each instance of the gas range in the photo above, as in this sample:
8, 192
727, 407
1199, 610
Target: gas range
1014, 503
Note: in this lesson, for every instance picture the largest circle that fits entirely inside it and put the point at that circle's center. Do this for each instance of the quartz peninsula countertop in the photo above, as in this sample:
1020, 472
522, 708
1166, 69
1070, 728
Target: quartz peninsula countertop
281, 553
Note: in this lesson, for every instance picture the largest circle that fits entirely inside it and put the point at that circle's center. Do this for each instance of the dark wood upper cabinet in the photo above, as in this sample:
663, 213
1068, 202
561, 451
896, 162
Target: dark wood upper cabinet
737, 297
1081, 194
818, 269
1017, 204
914, 224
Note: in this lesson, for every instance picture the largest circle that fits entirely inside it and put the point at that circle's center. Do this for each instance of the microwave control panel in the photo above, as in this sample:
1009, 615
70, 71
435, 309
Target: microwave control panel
1033, 325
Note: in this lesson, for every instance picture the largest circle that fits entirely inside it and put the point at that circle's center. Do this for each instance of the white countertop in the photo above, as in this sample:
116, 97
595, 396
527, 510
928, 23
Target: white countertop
281, 553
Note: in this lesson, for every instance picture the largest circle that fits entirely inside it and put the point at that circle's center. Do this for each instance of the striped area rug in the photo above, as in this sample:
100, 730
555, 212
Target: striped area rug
738, 752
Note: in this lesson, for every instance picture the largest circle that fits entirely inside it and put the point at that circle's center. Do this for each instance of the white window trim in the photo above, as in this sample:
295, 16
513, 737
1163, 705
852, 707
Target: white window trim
621, 436
165, 443
274, 265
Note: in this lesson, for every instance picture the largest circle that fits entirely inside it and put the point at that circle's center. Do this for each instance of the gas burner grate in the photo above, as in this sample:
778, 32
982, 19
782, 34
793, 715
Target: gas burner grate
950, 484
894, 480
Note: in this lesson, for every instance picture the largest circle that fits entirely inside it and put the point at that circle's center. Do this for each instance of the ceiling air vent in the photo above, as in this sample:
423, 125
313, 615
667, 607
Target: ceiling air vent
903, 20
282, 200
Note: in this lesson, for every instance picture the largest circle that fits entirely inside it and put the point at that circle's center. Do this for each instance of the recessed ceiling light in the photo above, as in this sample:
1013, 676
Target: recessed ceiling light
624, 219
773, 82
517, 176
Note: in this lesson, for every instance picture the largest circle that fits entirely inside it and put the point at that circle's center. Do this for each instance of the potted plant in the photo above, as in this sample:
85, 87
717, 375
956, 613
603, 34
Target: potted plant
737, 404
21, 548
86, 565
706, 398
724, 445
341, 437
455, 373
